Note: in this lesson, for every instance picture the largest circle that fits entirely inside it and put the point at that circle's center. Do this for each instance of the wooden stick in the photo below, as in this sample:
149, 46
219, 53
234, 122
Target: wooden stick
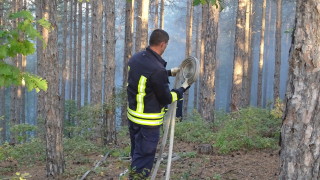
96, 165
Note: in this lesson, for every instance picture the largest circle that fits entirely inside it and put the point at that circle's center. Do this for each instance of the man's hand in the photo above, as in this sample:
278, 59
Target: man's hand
185, 85
174, 71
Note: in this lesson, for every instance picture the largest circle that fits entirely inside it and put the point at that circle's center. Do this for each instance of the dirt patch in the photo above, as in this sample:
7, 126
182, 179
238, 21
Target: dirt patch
256, 164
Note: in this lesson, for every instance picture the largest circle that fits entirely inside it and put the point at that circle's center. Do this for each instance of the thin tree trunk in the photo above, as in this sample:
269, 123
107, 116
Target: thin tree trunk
14, 89
239, 56
162, 15
64, 58
247, 63
197, 54
300, 132
278, 52
53, 122
265, 83
110, 119
40, 71
75, 50
86, 71
156, 14
2, 92
91, 55
128, 46
97, 11
142, 25
207, 90
71, 49
202, 46
79, 49
189, 22
261, 55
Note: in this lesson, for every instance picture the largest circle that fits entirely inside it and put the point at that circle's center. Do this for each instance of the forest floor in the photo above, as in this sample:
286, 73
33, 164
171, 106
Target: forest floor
254, 164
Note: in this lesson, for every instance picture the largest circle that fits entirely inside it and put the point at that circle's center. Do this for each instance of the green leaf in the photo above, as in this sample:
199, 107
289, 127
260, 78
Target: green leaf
44, 23
21, 14
196, 2
3, 52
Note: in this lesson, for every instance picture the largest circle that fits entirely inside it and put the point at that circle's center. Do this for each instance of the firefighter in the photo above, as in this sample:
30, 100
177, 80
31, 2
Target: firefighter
148, 95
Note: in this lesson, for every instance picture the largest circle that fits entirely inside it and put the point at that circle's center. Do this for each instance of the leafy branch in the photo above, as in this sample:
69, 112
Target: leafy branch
19, 41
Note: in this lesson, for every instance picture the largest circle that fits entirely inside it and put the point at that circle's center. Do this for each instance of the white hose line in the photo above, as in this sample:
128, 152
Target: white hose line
163, 143
173, 121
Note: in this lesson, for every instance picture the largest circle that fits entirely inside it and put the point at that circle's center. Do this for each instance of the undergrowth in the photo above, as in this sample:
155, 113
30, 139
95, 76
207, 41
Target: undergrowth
246, 129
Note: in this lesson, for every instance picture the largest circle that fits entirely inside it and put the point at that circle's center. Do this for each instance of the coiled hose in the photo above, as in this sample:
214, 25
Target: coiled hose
190, 70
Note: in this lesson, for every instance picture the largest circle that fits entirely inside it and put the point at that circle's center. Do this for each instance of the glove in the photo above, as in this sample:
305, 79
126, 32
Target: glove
185, 85
174, 71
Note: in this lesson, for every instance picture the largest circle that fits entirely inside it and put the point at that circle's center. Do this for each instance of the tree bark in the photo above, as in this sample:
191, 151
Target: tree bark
86, 71
79, 50
156, 14
300, 132
64, 58
110, 119
3, 114
128, 45
75, 50
71, 49
97, 11
207, 90
53, 122
197, 54
278, 52
189, 22
261, 54
239, 55
142, 25
14, 89
247, 63
162, 15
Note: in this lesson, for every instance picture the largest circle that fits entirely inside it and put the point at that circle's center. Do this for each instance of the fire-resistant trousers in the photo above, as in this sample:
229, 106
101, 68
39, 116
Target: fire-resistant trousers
144, 140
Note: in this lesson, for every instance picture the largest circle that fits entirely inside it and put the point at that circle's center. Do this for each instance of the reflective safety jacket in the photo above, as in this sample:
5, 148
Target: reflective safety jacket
148, 88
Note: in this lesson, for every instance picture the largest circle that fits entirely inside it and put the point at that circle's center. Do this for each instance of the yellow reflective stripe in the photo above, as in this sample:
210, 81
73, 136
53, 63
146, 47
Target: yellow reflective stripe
174, 96
145, 122
141, 94
146, 115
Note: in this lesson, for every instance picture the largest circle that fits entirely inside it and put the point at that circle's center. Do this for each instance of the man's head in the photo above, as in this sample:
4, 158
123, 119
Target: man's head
159, 40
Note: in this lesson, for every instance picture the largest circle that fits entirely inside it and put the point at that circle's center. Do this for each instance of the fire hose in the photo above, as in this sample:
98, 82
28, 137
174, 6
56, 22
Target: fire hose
189, 70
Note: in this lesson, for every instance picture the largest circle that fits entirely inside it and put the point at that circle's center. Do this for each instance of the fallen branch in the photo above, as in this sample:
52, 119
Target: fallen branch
95, 166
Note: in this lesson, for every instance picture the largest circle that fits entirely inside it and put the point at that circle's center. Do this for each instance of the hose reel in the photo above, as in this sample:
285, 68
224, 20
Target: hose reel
189, 69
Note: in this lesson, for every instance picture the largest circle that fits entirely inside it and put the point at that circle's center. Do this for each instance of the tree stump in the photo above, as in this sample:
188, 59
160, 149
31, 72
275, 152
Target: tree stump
204, 149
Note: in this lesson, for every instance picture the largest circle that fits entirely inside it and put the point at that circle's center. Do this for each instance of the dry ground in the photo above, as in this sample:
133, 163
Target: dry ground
246, 165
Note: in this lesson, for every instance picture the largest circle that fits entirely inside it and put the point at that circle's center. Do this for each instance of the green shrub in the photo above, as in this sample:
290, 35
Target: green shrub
78, 146
29, 152
194, 129
249, 128
22, 131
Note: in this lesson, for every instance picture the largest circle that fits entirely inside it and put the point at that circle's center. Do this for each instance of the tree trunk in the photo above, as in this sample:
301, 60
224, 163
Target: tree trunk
128, 45
2, 92
300, 132
156, 14
110, 119
202, 46
79, 50
74, 58
239, 55
247, 63
207, 92
162, 15
142, 25
53, 122
189, 20
14, 89
278, 52
71, 49
261, 55
86, 60
40, 70
97, 11
197, 54
64, 58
